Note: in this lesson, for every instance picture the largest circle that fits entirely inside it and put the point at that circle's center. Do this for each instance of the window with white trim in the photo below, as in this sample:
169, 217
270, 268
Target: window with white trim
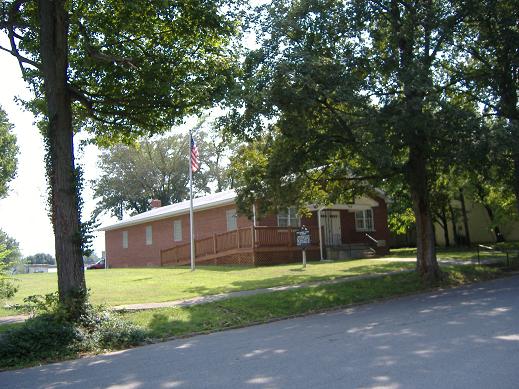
177, 230
232, 219
125, 239
289, 218
364, 220
149, 235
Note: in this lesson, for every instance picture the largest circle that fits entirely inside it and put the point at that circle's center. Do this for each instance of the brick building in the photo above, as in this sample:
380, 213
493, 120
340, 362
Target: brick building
160, 236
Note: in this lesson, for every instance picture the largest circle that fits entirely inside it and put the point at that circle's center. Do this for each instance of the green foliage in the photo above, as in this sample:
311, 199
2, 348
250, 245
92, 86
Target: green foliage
487, 73
129, 69
8, 153
137, 68
52, 334
10, 254
40, 258
337, 96
130, 176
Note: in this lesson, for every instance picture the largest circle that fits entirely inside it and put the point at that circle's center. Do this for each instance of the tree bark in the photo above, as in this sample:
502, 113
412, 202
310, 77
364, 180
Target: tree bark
445, 226
454, 227
497, 231
516, 180
60, 150
468, 241
426, 264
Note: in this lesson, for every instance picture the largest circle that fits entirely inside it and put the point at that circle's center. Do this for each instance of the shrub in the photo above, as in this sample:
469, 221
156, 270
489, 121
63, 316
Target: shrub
55, 333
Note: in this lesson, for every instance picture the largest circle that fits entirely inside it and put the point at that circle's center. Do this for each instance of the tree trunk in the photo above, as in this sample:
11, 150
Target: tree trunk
445, 226
454, 227
468, 241
426, 263
496, 229
516, 180
60, 150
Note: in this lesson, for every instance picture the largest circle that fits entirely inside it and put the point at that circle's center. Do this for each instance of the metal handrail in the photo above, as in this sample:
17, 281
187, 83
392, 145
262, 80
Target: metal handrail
374, 250
373, 239
504, 251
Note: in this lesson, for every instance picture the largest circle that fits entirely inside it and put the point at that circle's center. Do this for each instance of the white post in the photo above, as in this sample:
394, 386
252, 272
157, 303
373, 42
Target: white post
191, 229
254, 215
320, 232
304, 258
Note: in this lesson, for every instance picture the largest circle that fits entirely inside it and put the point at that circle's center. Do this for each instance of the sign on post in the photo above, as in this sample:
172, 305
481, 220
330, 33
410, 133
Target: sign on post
303, 241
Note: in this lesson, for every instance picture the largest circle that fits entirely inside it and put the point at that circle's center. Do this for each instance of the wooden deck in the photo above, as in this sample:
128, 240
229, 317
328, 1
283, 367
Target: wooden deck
245, 246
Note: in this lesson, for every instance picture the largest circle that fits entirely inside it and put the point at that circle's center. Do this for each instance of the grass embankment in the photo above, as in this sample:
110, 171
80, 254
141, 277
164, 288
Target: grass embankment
129, 286
173, 322
242, 311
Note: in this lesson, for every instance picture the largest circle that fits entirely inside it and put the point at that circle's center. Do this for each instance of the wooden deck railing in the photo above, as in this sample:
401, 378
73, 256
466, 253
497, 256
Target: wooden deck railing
248, 239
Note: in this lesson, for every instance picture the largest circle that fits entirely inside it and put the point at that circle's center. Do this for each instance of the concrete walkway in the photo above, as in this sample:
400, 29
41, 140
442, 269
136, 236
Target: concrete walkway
241, 293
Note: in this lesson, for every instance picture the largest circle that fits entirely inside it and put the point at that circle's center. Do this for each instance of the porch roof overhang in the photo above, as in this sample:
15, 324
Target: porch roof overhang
360, 204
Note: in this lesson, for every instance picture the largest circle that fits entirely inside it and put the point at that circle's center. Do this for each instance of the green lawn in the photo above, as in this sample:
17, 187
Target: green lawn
158, 324
127, 286
450, 253
241, 311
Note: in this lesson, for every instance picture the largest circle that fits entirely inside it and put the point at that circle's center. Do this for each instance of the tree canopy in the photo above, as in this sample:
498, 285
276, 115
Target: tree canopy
118, 70
8, 153
10, 249
40, 258
130, 176
345, 96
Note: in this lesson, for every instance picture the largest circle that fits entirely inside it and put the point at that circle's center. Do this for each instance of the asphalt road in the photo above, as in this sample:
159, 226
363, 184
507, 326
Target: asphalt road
462, 338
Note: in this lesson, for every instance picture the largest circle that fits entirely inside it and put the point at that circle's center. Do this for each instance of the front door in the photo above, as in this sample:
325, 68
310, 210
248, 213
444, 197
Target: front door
331, 222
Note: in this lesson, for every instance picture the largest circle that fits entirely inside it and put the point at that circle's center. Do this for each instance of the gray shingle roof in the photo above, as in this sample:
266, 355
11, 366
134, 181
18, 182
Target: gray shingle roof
199, 203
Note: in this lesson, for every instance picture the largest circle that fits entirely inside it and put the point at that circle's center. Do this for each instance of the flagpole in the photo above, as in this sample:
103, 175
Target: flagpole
191, 229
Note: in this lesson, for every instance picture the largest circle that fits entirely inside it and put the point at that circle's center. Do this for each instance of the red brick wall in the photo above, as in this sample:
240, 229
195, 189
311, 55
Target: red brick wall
139, 254
351, 235
211, 221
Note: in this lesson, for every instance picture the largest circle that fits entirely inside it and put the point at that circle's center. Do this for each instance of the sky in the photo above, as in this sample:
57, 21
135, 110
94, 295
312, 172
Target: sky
23, 213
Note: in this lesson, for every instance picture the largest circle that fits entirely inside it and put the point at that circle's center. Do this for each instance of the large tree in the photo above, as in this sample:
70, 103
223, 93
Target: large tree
8, 153
117, 69
132, 175
489, 74
354, 93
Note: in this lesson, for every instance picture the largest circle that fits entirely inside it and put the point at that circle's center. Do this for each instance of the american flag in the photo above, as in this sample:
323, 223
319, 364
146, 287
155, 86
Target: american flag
195, 163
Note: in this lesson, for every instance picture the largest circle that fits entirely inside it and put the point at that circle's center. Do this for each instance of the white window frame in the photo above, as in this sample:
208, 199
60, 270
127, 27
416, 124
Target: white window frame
364, 220
149, 235
125, 239
177, 230
232, 219
289, 218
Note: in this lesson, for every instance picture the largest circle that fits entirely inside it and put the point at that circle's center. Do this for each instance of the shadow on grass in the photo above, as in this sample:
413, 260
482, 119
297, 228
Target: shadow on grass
299, 278
215, 268
264, 307
245, 310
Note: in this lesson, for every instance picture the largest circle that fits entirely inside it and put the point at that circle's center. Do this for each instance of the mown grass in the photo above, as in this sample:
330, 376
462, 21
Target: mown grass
456, 253
128, 286
242, 311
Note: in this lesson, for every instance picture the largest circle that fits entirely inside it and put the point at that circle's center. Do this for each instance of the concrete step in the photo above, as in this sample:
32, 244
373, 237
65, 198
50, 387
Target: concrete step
350, 251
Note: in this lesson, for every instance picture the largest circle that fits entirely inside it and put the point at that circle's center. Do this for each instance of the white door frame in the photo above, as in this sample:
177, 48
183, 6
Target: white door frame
332, 226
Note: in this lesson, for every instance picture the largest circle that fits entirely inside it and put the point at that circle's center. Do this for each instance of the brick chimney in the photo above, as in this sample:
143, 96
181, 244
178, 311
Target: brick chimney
155, 203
